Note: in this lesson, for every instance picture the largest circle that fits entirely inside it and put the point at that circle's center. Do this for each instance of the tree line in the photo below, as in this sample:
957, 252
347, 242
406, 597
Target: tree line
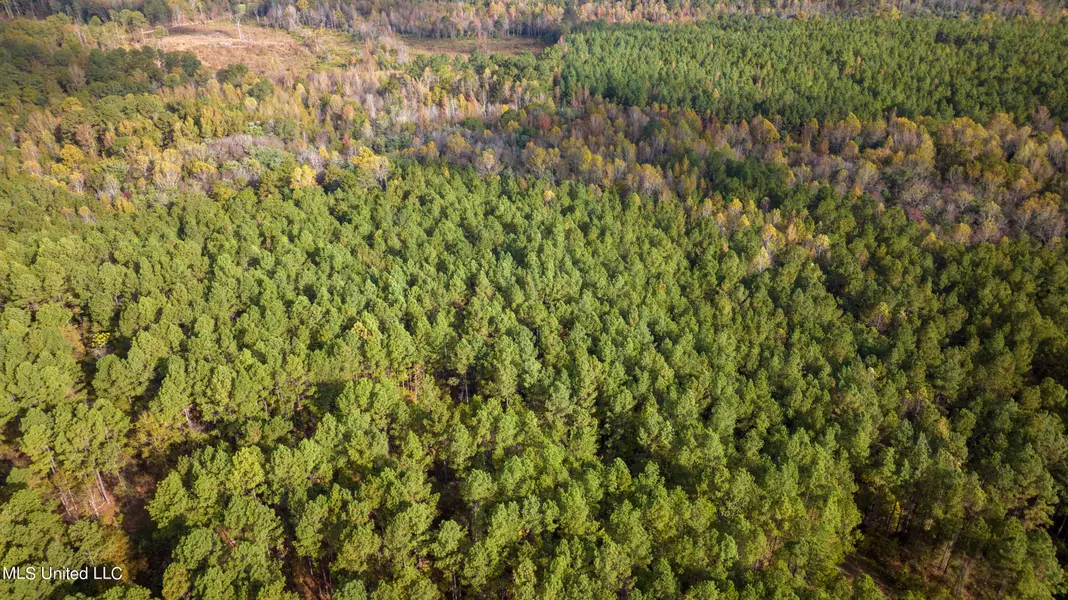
477, 18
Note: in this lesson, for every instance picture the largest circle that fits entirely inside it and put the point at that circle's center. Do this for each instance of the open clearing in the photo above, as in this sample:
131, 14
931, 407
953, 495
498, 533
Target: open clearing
272, 52
217, 44
510, 46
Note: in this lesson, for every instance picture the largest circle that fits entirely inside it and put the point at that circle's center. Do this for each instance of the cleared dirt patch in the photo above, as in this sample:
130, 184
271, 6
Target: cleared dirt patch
217, 44
505, 45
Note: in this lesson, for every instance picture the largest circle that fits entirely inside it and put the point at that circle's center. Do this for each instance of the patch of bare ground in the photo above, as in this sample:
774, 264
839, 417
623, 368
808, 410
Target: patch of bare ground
510, 45
217, 44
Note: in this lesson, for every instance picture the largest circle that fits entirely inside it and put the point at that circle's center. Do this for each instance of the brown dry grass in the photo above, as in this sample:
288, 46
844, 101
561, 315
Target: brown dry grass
272, 52
217, 44
507, 45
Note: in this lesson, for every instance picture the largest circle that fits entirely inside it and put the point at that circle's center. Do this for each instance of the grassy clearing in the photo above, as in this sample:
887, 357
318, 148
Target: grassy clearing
267, 51
273, 52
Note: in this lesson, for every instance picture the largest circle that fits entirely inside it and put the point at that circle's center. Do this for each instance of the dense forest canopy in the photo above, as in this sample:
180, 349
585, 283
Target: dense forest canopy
780, 312
827, 69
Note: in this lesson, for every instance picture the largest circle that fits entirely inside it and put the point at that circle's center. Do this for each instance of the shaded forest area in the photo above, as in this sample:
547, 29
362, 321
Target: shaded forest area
530, 327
